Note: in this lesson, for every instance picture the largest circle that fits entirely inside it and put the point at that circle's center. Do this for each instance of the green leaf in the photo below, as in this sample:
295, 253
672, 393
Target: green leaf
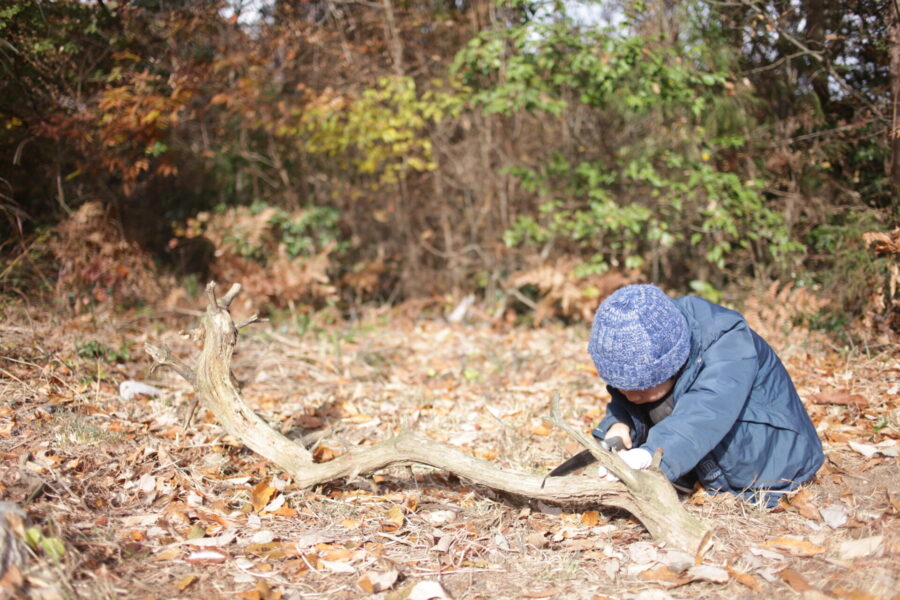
33, 537
53, 547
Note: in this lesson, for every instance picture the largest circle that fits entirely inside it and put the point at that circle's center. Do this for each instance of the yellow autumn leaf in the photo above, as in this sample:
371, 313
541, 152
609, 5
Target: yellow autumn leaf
541, 428
794, 546
590, 518
337, 554
261, 494
170, 553
184, 582
743, 578
395, 516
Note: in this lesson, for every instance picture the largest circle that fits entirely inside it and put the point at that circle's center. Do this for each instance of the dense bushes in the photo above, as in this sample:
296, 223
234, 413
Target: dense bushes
432, 148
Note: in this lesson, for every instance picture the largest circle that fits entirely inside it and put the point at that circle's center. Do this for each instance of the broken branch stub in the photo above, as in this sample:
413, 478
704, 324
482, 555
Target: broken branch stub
646, 495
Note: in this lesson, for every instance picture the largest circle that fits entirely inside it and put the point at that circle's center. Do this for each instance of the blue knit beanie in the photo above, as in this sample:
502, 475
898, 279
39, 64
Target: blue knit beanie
639, 338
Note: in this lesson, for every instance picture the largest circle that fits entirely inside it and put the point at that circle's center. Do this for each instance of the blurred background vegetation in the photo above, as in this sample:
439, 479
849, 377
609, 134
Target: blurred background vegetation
535, 154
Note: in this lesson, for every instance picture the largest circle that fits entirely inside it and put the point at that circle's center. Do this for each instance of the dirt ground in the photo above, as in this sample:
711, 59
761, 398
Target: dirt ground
143, 507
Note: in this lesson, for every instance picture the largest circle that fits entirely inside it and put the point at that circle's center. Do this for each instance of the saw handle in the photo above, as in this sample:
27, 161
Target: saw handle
614, 444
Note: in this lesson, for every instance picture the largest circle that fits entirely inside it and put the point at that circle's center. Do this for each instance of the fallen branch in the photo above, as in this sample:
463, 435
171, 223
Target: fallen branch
645, 494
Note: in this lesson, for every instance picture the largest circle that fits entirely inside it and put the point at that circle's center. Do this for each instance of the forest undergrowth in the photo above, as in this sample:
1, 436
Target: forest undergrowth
126, 501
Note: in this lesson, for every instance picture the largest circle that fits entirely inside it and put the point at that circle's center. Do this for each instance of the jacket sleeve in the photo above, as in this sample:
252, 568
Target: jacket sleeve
708, 409
616, 412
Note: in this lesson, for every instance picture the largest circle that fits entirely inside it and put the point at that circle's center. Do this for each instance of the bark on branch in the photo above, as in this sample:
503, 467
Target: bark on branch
645, 494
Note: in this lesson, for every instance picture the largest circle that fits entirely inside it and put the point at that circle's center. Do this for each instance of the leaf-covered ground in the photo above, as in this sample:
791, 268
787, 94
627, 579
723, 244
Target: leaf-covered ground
145, 508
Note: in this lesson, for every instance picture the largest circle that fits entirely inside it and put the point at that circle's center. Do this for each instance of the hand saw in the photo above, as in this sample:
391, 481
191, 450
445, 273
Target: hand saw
585, 458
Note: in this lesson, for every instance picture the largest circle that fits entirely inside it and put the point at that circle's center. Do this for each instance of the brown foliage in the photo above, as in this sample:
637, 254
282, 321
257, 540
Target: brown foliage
247, 248
884, 302
775, 313
98, 265
566, 294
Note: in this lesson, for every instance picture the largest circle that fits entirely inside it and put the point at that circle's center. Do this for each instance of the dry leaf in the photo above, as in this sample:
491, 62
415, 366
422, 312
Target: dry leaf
337, 566
263, 536
745, 579
285, 511
313, 538
261, 494
323, 453
794, 546
338, 554
883, 243
350, 524
373, 582
275, 504
889, 448
834, 515
266, 592
269, 550
796, 581
801, 501
443, 544
840, 397
308, 421
12, 579
206, 557
196, 532
501, 542
147, 483
439, 517
677, 561
859, 548
395, 515
428, 590
770, 554
642, 552
541, 428
707, 573
170, 553
184, 582
665, 575
611, 568
853, 594
214, 542
867, 450
590, 518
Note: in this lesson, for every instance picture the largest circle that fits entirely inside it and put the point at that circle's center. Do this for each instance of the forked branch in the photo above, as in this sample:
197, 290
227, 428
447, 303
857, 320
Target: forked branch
645, 494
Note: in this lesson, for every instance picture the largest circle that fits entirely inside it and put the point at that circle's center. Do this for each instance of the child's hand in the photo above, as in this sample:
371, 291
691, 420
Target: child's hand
636, 459
620, 430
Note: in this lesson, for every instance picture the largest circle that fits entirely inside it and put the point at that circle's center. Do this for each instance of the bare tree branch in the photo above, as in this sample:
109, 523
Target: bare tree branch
819, 56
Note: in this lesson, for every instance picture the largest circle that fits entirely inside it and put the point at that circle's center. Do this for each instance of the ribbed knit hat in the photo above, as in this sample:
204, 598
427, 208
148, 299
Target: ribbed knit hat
639, 338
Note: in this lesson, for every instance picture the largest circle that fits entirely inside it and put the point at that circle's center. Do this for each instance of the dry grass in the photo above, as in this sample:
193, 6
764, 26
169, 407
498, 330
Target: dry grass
126, 489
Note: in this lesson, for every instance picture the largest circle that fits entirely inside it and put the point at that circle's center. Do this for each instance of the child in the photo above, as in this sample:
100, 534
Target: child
691, 378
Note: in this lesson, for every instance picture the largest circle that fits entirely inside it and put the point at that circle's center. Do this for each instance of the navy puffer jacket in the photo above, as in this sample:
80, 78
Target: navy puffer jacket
737, 423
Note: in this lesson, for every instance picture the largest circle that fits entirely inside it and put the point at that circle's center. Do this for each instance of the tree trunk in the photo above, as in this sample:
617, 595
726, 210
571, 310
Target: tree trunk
893, 170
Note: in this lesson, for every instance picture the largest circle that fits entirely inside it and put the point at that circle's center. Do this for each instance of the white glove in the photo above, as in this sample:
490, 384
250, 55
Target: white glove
604, 473
636, 458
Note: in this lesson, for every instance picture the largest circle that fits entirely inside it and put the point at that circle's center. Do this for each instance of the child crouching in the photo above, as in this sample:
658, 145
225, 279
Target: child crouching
690, 378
